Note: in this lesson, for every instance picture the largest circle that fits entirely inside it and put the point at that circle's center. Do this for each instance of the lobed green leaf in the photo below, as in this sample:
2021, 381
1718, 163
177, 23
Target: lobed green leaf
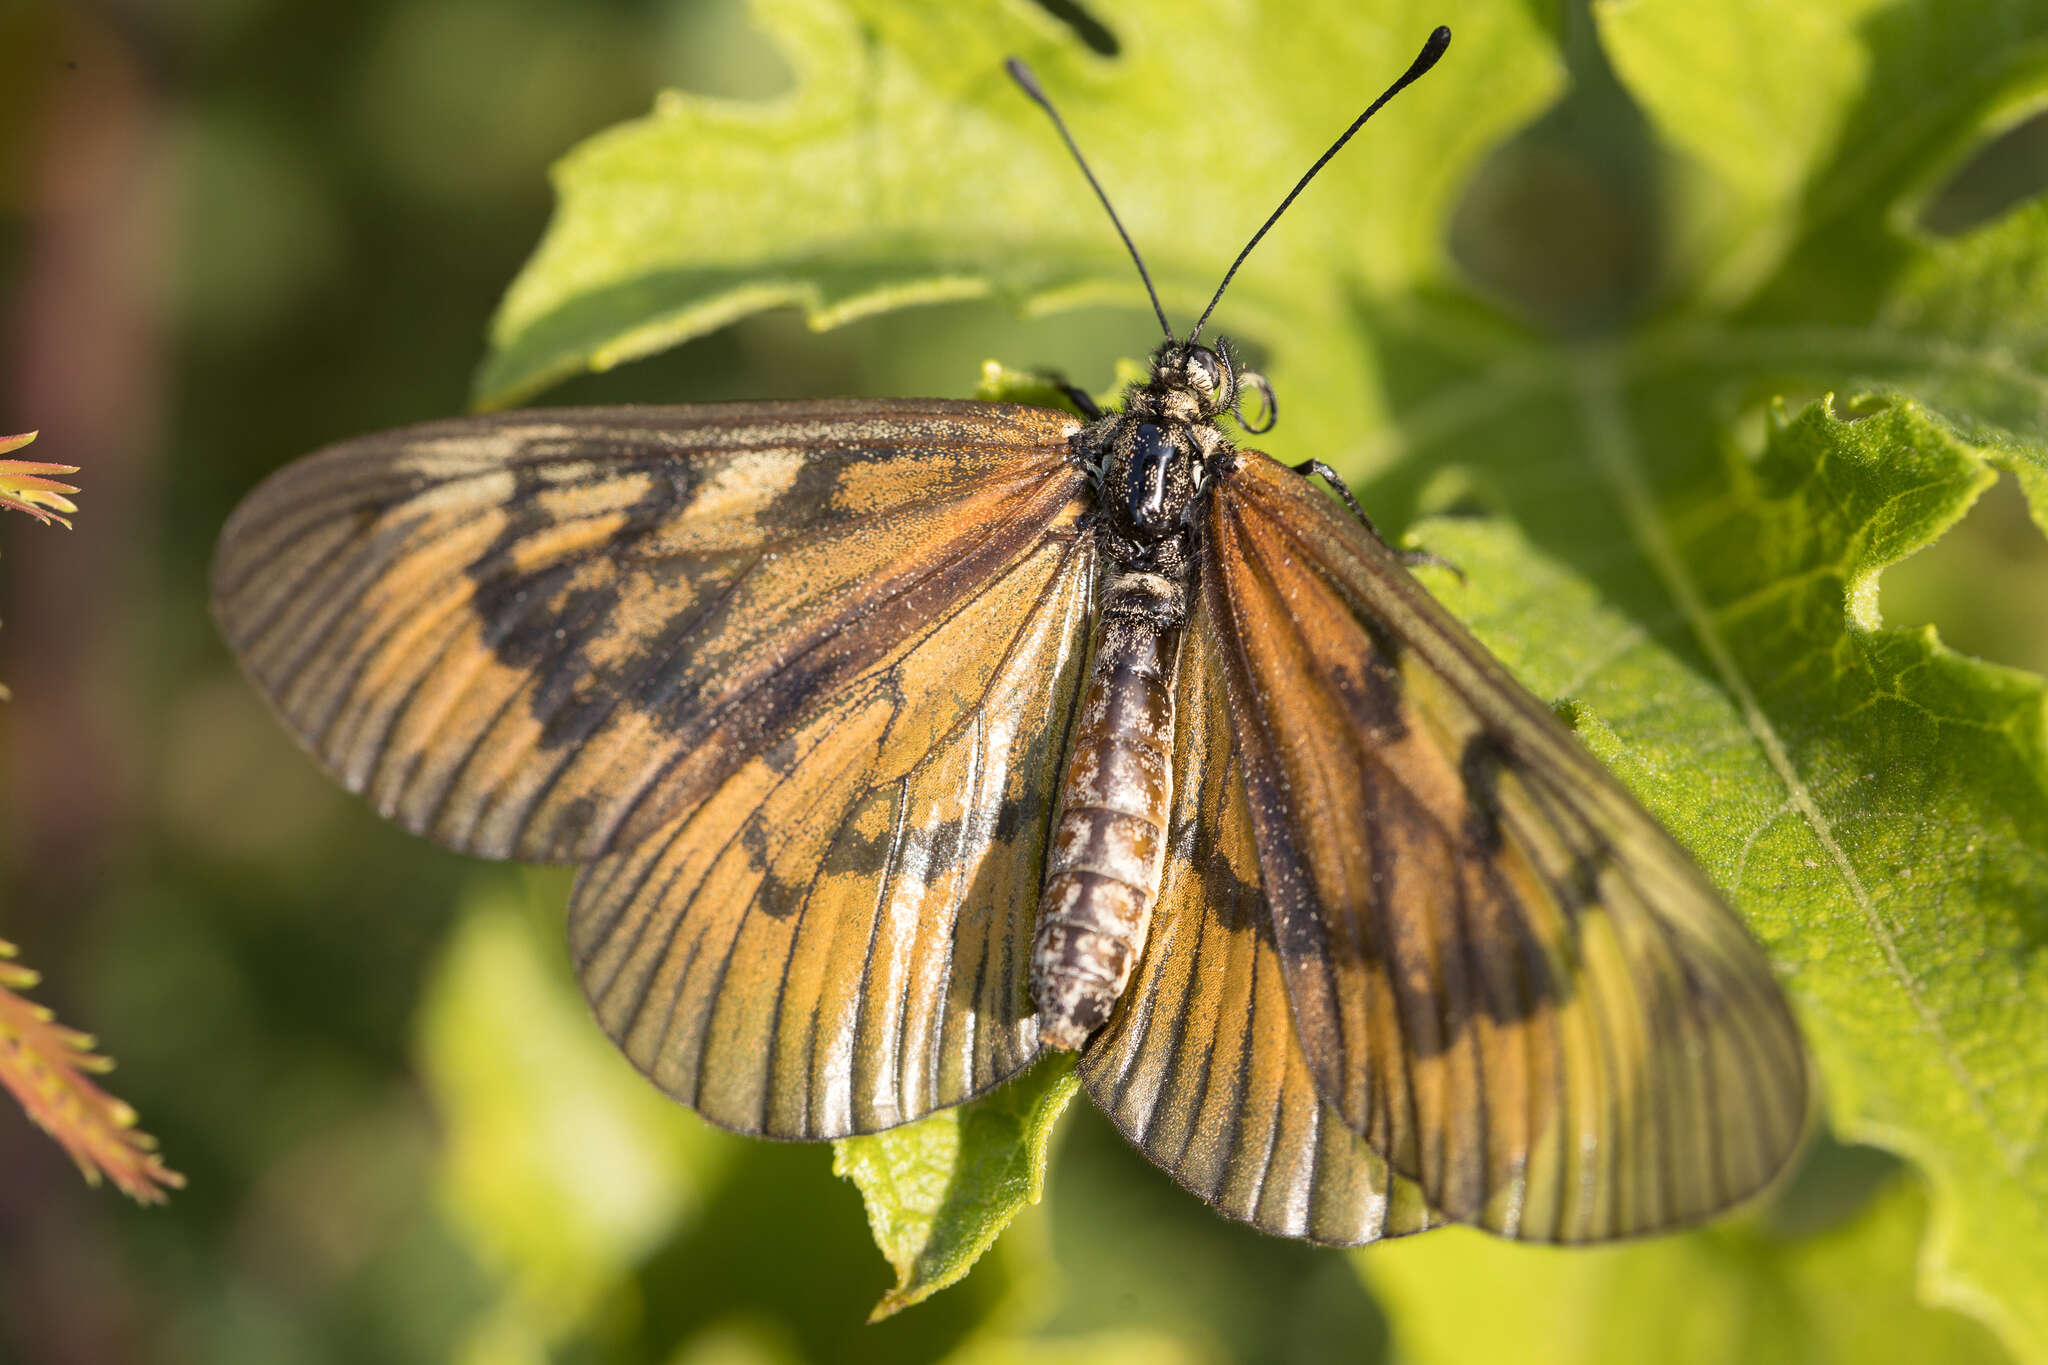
1649, 535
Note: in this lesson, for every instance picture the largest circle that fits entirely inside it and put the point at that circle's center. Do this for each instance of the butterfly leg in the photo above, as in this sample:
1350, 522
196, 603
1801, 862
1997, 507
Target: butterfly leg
1073, 393
1308, 469
1417, 558
1410, 558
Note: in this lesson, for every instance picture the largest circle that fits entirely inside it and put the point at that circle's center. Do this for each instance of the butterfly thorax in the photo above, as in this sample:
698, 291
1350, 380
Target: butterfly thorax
1157, 457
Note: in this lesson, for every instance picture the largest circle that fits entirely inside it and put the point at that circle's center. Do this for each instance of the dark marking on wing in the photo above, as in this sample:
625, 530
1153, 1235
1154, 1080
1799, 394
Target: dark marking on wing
544, 633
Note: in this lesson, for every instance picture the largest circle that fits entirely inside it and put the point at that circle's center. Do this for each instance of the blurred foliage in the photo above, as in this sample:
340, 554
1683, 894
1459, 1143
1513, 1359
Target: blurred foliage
45, 1065
1742, 1290
404, 1140
26, 486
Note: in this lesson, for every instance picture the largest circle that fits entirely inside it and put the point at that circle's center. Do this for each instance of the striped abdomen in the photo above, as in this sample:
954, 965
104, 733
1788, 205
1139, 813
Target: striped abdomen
1109, 842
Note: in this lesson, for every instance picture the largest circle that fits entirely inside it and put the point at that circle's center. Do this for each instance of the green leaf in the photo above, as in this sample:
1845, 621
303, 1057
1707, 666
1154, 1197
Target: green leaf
939, 1191
1823, 121
905, 168
1738, 1291
1873, 800
1647, 537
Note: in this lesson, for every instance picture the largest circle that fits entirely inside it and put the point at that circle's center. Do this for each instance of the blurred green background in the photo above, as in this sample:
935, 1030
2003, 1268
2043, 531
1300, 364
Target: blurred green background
234, 230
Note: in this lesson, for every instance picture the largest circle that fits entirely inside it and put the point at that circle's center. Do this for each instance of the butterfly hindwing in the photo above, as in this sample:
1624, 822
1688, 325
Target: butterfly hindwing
1200, 1065
543, 634
1505, 975
838, 940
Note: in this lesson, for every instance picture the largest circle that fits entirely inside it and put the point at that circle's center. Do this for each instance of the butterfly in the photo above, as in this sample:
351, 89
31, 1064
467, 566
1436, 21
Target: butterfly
902, 742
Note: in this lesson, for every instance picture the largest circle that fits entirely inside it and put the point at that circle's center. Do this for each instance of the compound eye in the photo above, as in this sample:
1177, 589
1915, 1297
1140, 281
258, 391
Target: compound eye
1205, 369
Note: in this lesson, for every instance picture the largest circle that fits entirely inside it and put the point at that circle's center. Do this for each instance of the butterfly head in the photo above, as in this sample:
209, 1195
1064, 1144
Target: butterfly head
1192, 384
1189, 383
1154, 460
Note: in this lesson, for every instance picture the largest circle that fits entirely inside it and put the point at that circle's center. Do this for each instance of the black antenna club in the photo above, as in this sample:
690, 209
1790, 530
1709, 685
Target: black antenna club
1424, 60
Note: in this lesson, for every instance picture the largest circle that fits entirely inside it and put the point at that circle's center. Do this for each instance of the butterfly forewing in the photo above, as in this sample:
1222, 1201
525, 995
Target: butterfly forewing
807, 668
1504, 974
1201, 1067
546, 634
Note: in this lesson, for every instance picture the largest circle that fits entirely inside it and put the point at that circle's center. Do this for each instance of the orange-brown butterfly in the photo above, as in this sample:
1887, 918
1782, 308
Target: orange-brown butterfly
900, 741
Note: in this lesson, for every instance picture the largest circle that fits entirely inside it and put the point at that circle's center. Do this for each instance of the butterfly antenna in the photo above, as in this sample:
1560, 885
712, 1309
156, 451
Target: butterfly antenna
1424, 60
1028, 83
